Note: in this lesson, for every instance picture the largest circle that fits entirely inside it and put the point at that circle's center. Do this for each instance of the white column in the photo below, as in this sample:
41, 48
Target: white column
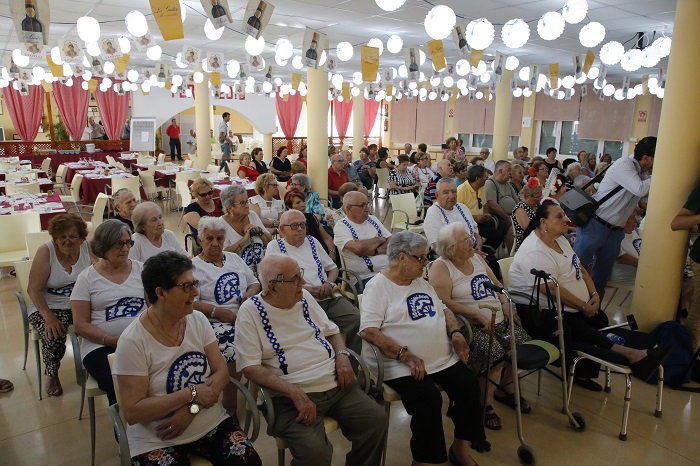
317, 141
358, 123
501, 118
202, 115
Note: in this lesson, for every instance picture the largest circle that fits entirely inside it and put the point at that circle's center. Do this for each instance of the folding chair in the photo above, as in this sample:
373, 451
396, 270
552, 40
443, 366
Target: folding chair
404, 215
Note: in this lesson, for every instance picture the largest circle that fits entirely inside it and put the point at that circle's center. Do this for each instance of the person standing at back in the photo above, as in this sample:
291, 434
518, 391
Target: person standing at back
173, 133
225, 141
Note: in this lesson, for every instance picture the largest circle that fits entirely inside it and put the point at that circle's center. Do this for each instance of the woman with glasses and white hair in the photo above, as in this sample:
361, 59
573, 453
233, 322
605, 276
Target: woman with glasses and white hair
458, 277
265, 204
106, 298
150, 235
421, 346
246, 234
171, 375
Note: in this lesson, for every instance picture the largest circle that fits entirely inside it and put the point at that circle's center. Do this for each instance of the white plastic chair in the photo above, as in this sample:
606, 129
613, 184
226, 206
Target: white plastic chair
382, 181
30, 188
96, 212
132, 183
404, 216
13, 246
73, 196
34, 240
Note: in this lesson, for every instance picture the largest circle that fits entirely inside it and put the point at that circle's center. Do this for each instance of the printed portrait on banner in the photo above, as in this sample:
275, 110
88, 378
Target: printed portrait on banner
215, 61
256, 17
144, 42
412, 59
110, 48
190, 55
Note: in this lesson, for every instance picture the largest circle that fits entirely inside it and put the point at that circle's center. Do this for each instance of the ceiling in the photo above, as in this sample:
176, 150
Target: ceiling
358, 21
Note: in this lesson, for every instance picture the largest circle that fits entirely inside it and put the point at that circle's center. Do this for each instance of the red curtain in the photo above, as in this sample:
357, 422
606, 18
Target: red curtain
114, 109
25, 111
371, 109
72, 103
342, 112
288, 113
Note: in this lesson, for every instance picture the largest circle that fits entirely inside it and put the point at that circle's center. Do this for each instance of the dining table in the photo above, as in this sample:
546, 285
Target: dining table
48, 206
27, 172
45, 184
94, 183
74, 167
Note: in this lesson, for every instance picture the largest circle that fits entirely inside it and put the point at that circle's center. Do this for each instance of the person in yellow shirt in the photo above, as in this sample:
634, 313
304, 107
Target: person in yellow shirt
472, 194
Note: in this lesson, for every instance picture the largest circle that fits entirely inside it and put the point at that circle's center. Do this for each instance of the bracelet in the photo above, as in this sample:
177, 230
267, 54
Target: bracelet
104, 339
453, 332
213, 313
342, 351
595, 293
583, 306
402, 352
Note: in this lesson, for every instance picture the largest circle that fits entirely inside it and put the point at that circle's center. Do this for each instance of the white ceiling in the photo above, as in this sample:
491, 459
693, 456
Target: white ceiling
357, 21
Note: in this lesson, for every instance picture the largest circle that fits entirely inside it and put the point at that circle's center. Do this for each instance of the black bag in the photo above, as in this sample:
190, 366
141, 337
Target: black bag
580, 206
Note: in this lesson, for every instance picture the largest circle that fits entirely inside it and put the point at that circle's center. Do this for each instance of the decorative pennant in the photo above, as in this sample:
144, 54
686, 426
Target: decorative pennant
32, 20
215, 78
554, 75
162, 72
450, 69
475, 56
492, 87
144, 42
48, 87
534, 76
147, 73
370, 63
600, 80
217, 11
387, 75
437, 54
256, 62
97, 65
346, 91
389, 89
215, 61
169, 18
513, 84
498, 64
121, 63
258, 13
243, 73
625, 86
588, 61
190, 55
70, 51
35, 51
92, 85
584, 90
576, 59
473, 81
296, 79
110, 48
23, 87
472, 95
78, 70
460, 41
56, 70
268, 74
567, 94
645, 84
315, 42
412, 59
331, 64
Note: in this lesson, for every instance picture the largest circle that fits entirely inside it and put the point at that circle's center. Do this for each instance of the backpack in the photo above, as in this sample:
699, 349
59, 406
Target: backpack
676, 365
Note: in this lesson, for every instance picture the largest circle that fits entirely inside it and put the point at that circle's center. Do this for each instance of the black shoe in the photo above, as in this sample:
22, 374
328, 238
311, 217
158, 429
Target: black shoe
646, 367
588, 384
180, 159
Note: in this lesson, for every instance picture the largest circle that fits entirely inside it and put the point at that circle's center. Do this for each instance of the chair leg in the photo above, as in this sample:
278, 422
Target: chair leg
37, 355
91, 407
539, 381
280, 457
626, 406
82, 402
607, 380
26, 349
659, 392
387, 409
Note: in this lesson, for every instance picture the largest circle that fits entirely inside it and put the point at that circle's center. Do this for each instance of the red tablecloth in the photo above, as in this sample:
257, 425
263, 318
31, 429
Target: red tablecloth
44, 215
91, 187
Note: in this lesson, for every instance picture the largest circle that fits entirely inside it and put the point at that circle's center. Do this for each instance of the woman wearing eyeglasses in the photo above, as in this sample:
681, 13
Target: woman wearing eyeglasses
204, 204
55, 268
421, 346
264, 204
225, 281
106, 298
171, 374
246, 234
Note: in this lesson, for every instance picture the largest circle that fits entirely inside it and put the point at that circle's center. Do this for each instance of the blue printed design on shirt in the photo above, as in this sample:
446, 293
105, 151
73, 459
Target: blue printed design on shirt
577, 265
186, 370
227, 287
62, 291
637, 244
125, 307
420, 305
247, 253
479, 291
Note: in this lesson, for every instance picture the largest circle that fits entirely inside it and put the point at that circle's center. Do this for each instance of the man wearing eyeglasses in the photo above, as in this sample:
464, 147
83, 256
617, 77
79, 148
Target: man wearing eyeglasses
320, 274
361, 238
337, 177
285, 342
447, 210
485, 153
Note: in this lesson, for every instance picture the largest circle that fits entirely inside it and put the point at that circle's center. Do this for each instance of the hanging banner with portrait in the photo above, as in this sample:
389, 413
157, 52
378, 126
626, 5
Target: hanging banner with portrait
169, 18
218, 12
257, 16
31, 19
315, 42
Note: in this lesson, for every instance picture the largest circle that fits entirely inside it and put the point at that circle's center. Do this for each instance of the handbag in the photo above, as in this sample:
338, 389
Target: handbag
580, 206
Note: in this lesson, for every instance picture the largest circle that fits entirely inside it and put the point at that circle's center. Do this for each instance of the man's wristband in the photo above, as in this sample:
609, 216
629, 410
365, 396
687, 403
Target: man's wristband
402, 352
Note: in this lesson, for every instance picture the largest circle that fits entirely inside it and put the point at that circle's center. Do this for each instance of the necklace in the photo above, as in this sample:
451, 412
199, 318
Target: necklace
162, 332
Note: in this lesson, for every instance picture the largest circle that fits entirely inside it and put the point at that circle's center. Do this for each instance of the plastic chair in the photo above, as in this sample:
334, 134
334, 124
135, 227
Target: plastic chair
505, 264
111, 160
96, 211
22, 269
233, 167
211, 168
383, 182
34, 240
13, 247
61, 174
46, 166
149, 185
404, 216
132, 183
188, 163
31, 188
73, 196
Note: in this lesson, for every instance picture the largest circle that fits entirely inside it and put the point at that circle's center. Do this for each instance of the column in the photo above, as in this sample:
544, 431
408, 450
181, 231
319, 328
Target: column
642, 103
267, 147
528, 134
501, 118
358, 123
386, 140
660, 269
317, 141
202, 112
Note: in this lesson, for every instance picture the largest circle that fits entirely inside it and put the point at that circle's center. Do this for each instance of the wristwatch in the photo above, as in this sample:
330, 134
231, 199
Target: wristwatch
343, 351
194, 406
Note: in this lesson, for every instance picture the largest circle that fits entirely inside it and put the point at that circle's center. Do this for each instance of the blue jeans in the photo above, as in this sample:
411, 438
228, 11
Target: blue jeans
226, 156
600, 245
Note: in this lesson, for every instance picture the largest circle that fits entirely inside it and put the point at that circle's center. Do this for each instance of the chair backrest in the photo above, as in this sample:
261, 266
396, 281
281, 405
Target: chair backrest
61, 173
46, 165
111, 160
35, 239
188, 163
148, 181
211, 168
15, 227
75, 187
161, 158
184, 191
98, 210
22, 269
513, 248
405, 203
505, 264
145, 160
187, 175
383, 178
18, 175
31, 188
121, 166
132, 183
233, 167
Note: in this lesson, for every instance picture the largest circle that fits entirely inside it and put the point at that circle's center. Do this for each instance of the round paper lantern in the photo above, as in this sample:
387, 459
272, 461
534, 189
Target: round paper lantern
593, 72
439, 22
479, 34
390, 5
377, 43
515, 33
611, 53
394, 44
124, 44
19, 59
632, 60
87, 76
154, 52
517, 92
568, 82
463, 67
296, 62
89, 28
527, 92
524, 73
178, 61
136, 23
575, 11
108, 67
512, 63
551, 25
198, 77
448, 81
177, 80
608, 90
592, 34
284, 49
254, 46
344, 51
213, 33
56, 55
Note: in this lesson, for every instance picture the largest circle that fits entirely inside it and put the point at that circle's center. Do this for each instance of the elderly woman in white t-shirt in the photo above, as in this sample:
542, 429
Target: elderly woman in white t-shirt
458, 277
246, 234
171, 375
225, 281
106, 298
422, 346
150, 235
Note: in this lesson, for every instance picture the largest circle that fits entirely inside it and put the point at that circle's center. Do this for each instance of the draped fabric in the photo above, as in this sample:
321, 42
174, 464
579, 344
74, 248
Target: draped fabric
341, 113
72, 103
288, 113
371, 110
25, 111
114, 109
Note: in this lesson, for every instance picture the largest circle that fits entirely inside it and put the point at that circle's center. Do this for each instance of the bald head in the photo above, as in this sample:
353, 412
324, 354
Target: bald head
356, 206
274, 265
291, 216
444, 168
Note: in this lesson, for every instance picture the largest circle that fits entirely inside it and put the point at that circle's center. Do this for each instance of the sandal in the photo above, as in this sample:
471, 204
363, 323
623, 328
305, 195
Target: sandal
453, 459
481, 445
6, 386
509, 400
491, 419
54, 389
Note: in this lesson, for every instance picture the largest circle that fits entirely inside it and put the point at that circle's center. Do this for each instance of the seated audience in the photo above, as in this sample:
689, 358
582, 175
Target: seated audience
625, 269
445, 211
407, 148
260, 165
607, 158
332, 150
337, 177
171, 375
501, 198
349, 167
366, 168
204, 204
247, 169
55, 268
297, 168
302, 183
524, 211
575, 173
489, 164
296, 199
285, 342
124, 203
361, 237
421, 170
401, 180
539, 171
150, 236
246, 234
476, 161
266, 204
473, 195
421, 346
383, 160
106, 298
444, 170
588, 165
302, 156
517, 177
460, 170
320, 272
454, 153
551, 160
281, 167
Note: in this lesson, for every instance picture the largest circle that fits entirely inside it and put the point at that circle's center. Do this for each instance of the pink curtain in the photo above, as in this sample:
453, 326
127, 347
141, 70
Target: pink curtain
288, 113
114, 109
342, 112
25, 111
371, 109
72, 103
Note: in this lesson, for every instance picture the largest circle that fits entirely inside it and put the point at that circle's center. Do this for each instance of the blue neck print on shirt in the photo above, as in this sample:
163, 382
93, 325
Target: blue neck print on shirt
577, 266
186, 370
479, 291
61, 291
637, 244
247, 253
125, 307
227, 287
420, 305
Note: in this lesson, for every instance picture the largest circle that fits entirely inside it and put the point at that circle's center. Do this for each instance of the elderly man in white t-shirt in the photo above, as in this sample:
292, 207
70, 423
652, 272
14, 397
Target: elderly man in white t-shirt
285, 342
447, 210
361, 238
320, 274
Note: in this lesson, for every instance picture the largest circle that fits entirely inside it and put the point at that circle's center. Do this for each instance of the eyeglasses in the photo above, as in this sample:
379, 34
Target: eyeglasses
121, 244
187, 286
240, 203
295, 226
363, 206
295, 279
70, 238
207, 194
422, 259
295, 185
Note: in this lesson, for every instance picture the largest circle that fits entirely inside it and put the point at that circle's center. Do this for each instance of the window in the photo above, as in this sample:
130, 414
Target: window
482, 140
614, 148
548, 135
571, 144
513, 143
563, 135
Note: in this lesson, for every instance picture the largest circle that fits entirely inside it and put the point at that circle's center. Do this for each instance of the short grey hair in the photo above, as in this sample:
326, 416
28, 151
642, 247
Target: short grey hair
500, 165
572, 165
117, 195
407, 242
349, 195
446, 239
139, 216
229, 194
268, 269
285, 215
303, 180
211, 224
442, 181
106, 235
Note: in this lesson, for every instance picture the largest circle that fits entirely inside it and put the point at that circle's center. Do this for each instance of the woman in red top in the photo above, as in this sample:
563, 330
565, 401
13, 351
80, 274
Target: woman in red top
246, 168
302, 156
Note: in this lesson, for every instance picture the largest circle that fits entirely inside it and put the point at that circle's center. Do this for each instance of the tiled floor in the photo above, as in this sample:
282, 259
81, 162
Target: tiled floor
48, 432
